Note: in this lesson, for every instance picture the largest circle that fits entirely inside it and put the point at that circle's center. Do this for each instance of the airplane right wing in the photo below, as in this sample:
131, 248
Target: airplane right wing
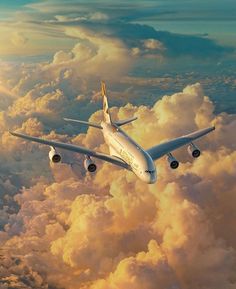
77, 149
125, 121
162, 149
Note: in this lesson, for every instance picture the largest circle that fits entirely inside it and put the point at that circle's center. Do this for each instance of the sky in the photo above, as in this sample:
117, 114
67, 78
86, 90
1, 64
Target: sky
171, 64
36, 20
194, 37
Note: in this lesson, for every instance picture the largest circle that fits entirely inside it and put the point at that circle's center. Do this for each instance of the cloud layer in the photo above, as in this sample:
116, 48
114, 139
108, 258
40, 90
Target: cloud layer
61, 227
110, 230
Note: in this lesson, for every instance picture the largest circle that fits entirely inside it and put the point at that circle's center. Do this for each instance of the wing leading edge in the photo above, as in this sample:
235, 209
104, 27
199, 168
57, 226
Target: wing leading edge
162, 149
93, 124
77, 149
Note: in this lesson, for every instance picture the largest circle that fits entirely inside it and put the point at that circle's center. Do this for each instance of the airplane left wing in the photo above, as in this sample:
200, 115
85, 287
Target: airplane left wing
162, 149
83, 122
77, 149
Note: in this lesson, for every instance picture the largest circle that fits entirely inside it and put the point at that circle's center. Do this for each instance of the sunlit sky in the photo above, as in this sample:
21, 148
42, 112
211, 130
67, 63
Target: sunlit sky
35, 27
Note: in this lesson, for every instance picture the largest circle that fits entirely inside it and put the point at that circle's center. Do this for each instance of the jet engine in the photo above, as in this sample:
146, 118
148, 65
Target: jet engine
193, 151
90, 165
54, 156
172, 161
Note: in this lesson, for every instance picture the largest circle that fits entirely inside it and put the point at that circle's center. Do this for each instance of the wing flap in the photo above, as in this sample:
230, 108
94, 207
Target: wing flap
162, 149
77, 149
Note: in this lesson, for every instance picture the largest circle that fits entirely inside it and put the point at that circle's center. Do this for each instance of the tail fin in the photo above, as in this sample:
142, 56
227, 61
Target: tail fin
106, 112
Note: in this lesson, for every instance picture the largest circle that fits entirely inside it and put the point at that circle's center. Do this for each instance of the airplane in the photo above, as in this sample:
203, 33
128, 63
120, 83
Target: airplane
124, 151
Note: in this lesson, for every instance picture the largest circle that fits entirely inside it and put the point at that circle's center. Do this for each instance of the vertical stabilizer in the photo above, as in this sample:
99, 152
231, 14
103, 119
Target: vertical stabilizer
106, 112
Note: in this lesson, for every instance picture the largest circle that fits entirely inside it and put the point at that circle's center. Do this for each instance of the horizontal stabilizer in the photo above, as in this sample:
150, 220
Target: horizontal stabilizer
83, 122
125, 121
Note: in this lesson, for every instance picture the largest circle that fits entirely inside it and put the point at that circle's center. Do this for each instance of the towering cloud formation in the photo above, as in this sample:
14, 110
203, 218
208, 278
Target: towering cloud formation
110, 230
96, 55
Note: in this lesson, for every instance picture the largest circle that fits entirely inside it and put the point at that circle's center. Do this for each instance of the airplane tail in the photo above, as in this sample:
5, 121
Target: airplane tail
106, 112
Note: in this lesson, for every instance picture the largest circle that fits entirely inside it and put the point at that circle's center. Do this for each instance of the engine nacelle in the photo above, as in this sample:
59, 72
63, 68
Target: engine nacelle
89, 165
172, 161
193, 151
54, 156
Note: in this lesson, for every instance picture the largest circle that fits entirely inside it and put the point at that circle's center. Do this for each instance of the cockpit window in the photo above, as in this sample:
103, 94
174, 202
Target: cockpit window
150, 172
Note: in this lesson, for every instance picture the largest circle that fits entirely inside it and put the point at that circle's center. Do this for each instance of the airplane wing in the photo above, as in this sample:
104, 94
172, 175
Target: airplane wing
125, 121
78, 149
162, 149
83, 122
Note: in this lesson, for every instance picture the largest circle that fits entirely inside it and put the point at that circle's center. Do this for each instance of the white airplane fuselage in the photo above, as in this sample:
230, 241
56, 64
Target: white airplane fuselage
125, 148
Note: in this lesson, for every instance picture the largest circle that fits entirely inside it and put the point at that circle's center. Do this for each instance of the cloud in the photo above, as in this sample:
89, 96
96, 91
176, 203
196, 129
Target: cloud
98, 16
46, 23
110, 230
145, 270
93, 17
16, 274
7, 97
96, 52
49, 103
153, 44
18, 39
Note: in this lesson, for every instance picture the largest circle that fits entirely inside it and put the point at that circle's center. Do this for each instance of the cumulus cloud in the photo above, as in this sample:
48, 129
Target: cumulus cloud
110, 230
49, 103
65, 228
145, 270
43, 88
94, 56
15, 274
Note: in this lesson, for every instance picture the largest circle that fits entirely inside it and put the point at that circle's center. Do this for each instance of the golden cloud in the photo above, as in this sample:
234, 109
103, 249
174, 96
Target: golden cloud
110, 230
